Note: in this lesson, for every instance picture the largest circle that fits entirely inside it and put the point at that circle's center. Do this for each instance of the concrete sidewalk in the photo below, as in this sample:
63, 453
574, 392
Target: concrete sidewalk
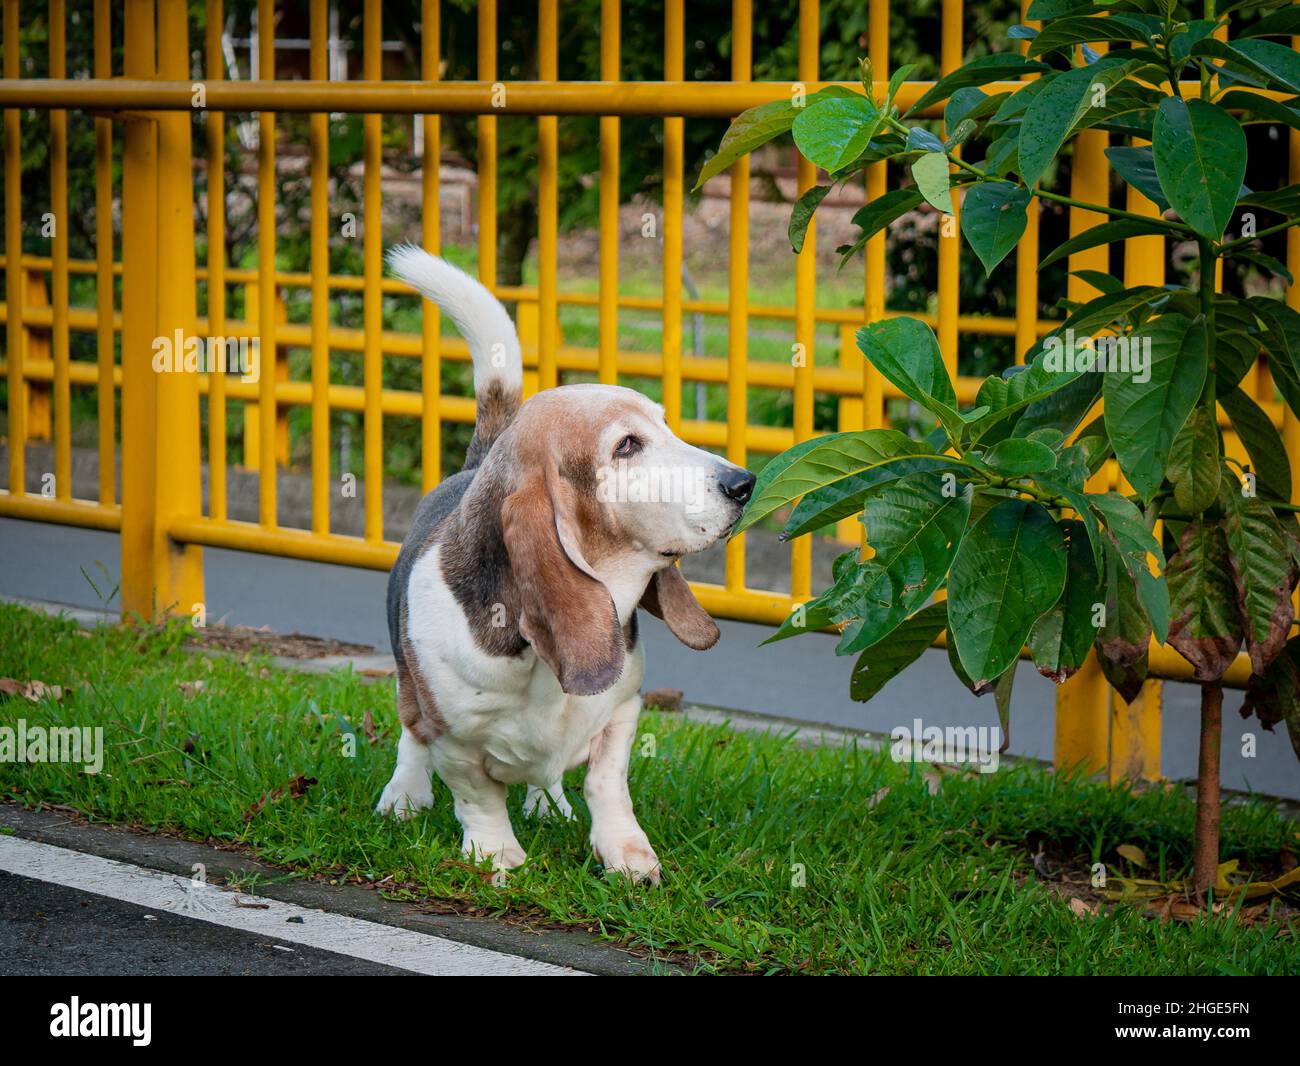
800, 679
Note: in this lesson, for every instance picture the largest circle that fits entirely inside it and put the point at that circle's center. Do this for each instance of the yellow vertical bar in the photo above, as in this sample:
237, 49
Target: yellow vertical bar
607, 359
1027, 258
674, 150
372, 307
106, 395
178, 485
430, 322
742, 43
548, 69
877, 179
320, 269
216, 132
17, 413
1083, 702
950, 231
59, 274
805, 296
487, 149
139, 325
1134, 745
266, 290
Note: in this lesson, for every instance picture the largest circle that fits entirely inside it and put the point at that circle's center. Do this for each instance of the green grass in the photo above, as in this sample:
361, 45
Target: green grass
919, 883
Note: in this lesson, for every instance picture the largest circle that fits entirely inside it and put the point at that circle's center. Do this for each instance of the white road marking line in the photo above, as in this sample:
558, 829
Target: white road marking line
174, 894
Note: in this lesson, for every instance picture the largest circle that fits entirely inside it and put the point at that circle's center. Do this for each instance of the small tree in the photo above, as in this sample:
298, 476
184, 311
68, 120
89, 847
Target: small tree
993, 504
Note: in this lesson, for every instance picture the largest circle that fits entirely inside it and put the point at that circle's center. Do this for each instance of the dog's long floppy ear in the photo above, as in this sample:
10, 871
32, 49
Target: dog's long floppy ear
567, 613
669, 597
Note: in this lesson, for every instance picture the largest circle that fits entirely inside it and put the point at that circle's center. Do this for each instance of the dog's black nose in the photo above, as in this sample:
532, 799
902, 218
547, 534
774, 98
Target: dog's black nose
736, 483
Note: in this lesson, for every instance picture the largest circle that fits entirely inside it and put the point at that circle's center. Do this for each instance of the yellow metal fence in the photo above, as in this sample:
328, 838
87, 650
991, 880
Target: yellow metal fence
149, 102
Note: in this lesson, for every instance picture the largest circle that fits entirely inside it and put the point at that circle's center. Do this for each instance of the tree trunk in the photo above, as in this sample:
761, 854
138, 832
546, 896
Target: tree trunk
1207, 788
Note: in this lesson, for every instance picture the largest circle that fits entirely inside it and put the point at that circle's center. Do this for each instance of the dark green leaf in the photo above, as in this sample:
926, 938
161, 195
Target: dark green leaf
1204, 628
1200, 156
1137, 166
1262, 572
906, 351
1126, 533
993, 219
833, 133
802, 213
1106, 233
1194, 461
888, 658
1061, 639
1001, 66
1148, 401
845, 498
1009, 570
1262, 442
1018, 456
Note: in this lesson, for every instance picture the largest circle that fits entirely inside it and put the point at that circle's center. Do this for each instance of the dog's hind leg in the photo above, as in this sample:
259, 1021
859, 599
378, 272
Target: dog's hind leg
411, 786
480, 805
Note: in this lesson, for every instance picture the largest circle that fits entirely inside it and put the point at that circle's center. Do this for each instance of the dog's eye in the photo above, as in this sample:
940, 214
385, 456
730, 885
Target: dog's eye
629, 445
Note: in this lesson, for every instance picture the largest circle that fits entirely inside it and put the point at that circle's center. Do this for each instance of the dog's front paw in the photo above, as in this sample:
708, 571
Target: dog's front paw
404, 798
505, 854
628, 854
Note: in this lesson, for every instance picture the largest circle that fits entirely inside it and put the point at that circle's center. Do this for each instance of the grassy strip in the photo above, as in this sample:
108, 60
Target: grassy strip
777, 859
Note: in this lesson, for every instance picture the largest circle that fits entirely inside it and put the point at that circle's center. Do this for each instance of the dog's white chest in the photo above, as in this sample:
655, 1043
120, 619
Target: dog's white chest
512, 708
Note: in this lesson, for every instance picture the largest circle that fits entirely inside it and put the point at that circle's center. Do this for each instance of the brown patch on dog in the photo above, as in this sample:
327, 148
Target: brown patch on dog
669, 597
567, 615
416, 707
495, 408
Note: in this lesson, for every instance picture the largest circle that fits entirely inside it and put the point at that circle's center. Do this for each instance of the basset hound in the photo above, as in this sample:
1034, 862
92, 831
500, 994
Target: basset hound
512, 606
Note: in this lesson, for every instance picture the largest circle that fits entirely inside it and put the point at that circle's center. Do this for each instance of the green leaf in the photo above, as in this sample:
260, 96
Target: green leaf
845, 498
1147, 403
802, 213
907, 352
1204, 628
1055, 110
1001, 66
833, 133
754, 128
1124, 642
1127, 535
1009, 570
931, 174
829, 460
1018, 456
1061, 639
1238, 340
879, 213
1263, 108
1200, 156
1282, 341
1106, 233
994, 215
1137, 166
1263, 443
1262, 572
896, 81
914, 526
887, 659
1063, 34
1279, 60
1194, 461
1284, 23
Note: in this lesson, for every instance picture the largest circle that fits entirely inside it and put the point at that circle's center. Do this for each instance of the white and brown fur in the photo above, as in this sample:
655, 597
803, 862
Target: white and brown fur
512, 606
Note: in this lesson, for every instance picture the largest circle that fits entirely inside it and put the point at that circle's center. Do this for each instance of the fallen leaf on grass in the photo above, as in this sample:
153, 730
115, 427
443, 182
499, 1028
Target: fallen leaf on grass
1130, 889
1080, 909
874, 801
32, 691
1133, 853
191, 688
663, 699
368, 727
296, 788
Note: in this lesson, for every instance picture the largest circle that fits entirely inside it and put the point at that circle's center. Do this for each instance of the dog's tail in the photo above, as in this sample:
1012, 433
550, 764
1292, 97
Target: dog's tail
487, 329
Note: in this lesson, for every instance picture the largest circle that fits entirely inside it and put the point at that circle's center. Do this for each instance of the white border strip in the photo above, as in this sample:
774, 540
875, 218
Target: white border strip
385, 944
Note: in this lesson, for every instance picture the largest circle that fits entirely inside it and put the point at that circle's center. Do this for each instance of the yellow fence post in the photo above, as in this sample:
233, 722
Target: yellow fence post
36, 297
160, 415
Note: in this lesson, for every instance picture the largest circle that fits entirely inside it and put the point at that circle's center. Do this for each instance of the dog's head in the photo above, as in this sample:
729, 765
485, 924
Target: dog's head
603, 495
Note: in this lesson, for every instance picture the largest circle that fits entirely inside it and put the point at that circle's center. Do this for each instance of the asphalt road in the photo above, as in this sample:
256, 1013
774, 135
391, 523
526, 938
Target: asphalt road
800, 679
50, 929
